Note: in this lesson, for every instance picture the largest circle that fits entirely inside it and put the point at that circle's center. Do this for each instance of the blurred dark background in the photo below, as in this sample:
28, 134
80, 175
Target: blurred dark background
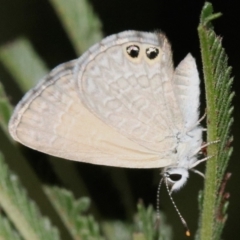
37, 20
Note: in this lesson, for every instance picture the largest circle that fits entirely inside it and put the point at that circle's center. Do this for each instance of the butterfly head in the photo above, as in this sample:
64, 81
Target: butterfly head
175, 177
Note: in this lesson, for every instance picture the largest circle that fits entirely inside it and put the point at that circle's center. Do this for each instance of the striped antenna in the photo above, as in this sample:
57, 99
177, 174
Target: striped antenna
187, 231
158, 203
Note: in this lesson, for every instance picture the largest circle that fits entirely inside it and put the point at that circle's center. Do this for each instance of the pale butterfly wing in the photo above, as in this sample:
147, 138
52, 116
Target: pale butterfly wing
133, 95
106, 108
52, 119
186, 88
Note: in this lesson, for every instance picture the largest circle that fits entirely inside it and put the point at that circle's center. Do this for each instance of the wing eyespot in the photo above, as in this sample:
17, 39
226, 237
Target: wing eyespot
152, 52
133, 51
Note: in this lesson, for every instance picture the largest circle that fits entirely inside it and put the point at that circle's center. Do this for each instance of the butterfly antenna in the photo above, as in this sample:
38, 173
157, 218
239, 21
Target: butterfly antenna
158, 203
187, 231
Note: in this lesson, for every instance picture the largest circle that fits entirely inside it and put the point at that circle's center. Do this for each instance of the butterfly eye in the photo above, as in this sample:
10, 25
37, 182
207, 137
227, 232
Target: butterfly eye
175, 177
133, 51
152, 52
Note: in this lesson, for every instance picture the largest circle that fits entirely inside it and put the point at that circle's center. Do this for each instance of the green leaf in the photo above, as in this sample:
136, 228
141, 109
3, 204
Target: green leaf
5, 110
22, 211
7, 232
147, 228
23, 63
207, 15
117, 230
71, 211
219, 118
80, 22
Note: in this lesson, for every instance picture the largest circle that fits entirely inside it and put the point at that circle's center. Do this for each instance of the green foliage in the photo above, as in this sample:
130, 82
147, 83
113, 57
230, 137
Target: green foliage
80, 22
71, 212
5, 110
7, 232
219, 118
118, 229
147, 228
21, 211
23, 62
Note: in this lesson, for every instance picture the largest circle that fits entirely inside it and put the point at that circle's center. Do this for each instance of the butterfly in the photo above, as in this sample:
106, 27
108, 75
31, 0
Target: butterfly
122, 104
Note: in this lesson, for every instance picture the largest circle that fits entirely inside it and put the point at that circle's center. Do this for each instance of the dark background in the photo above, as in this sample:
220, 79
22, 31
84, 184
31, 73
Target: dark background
37, 20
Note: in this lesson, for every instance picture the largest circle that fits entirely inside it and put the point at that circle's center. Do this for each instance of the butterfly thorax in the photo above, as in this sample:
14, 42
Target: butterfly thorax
184, 154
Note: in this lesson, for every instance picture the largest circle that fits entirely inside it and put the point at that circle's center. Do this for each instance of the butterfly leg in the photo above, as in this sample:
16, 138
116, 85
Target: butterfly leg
204, 146
204, 115
197, 172
198, 122
199, 161
206, 158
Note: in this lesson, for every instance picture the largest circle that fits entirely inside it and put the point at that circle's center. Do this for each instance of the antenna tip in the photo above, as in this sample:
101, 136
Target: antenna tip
188, 234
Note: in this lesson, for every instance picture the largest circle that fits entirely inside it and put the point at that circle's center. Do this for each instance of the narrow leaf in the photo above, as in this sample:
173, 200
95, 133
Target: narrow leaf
7, 232
5, 110
80, 22
71, 211
22, 211
219, 118
23, 63
146, 226
117, 230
